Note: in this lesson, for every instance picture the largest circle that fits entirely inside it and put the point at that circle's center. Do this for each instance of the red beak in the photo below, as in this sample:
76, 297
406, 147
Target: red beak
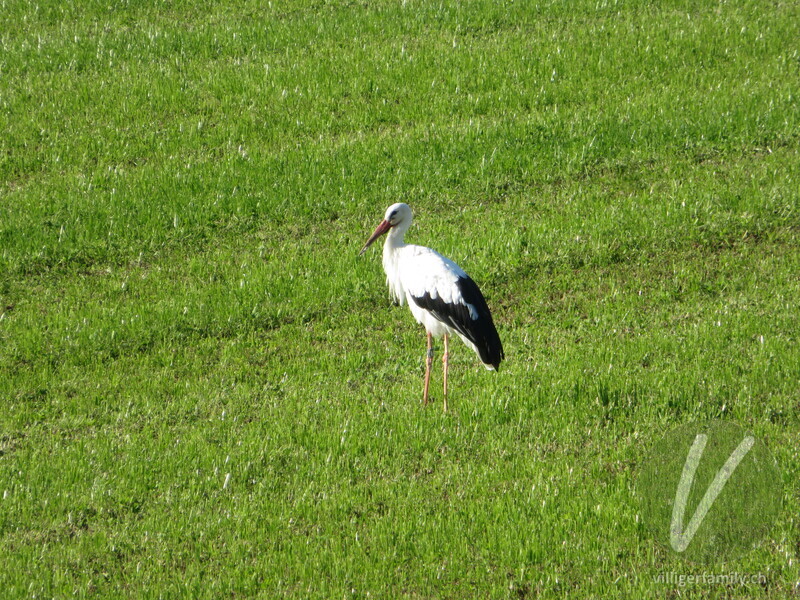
379, 231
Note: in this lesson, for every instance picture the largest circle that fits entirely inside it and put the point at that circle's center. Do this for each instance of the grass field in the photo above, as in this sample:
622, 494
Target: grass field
206, 393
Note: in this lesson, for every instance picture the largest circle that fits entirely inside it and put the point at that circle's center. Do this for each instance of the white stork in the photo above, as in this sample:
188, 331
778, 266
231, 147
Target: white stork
441, 296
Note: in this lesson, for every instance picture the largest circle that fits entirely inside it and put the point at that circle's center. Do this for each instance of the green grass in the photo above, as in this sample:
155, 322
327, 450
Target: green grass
206, 392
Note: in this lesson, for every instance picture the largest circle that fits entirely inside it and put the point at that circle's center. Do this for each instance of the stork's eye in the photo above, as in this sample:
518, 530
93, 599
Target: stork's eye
393, 215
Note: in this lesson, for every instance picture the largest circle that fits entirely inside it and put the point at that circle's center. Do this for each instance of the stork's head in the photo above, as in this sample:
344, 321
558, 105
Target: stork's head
398, 216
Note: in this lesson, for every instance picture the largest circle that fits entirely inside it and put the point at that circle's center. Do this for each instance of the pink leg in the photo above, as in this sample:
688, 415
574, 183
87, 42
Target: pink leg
428, 363
445, 358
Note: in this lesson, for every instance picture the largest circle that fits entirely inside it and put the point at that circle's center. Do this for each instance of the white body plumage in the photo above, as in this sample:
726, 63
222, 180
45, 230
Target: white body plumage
412, 270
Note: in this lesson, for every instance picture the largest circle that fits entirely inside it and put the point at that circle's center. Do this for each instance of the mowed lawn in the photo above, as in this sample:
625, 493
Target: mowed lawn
206, 392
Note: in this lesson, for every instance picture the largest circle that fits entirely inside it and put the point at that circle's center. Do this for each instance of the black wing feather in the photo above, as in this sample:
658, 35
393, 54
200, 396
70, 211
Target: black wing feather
480, 331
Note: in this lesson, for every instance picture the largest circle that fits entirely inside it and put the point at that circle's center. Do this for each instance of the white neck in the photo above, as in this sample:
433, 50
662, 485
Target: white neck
394, 239
394, 242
